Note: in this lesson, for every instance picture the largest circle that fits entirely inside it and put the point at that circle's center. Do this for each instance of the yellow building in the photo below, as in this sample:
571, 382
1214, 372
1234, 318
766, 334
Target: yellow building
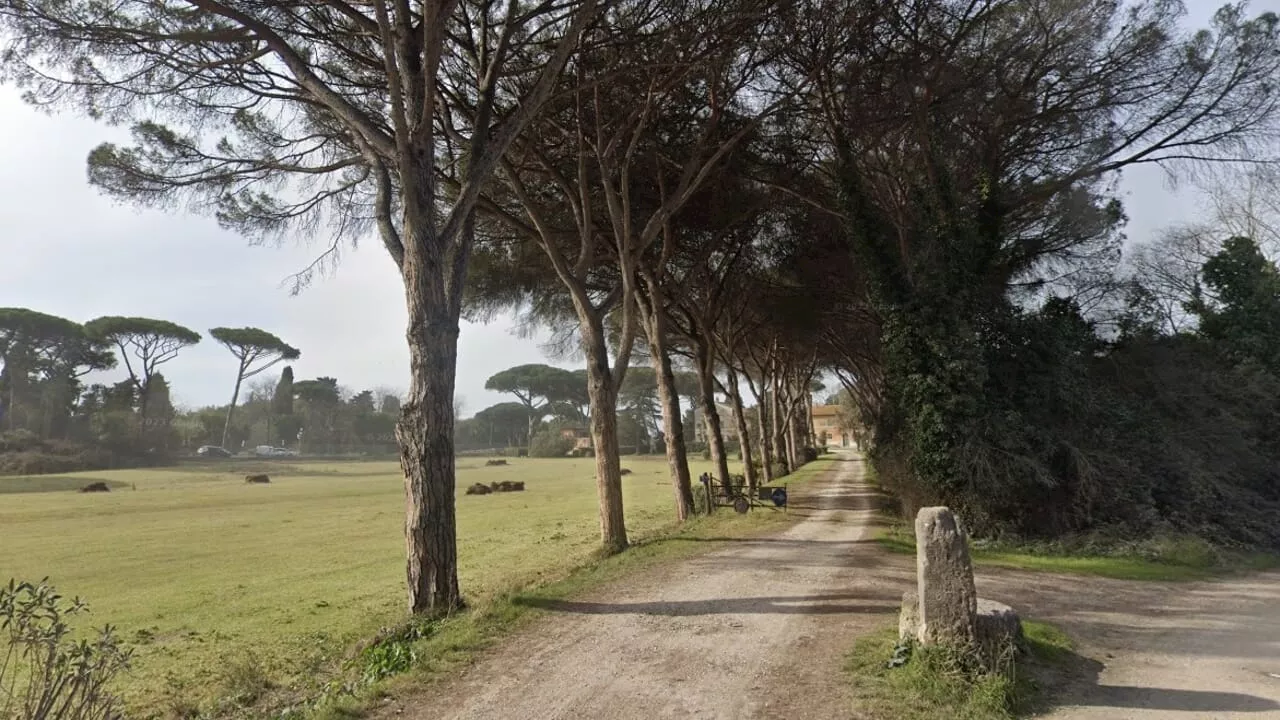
829, 426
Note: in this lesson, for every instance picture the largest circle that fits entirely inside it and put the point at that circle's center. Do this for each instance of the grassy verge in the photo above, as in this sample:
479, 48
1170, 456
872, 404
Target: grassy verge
934, 683
416, 654
1166, 558
1162, 558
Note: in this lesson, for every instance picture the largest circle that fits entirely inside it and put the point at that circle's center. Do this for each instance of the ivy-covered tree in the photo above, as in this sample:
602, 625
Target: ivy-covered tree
255, 351
971, 173
1244, 318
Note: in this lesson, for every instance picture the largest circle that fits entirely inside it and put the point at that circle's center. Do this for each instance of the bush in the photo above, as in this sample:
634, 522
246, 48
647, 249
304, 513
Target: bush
550, 444
61, 677
24, 453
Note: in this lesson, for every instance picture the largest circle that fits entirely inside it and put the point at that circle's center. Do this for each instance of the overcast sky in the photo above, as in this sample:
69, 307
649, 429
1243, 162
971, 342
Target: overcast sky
68, 251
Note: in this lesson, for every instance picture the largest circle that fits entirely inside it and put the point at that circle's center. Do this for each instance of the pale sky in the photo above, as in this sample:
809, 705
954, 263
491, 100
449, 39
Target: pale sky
67, 250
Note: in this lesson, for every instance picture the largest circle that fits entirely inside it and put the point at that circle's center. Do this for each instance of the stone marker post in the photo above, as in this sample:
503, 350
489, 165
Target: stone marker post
947, 600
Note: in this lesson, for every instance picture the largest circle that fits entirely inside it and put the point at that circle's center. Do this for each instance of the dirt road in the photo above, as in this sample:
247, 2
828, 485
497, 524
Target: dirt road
1160, 651
759, 629
755, 630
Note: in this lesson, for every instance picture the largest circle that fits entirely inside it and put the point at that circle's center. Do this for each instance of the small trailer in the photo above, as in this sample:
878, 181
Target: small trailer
737, 496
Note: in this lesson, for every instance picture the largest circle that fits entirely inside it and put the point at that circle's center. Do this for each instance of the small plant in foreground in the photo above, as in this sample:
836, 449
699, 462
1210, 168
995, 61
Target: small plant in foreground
44, 673
392, 652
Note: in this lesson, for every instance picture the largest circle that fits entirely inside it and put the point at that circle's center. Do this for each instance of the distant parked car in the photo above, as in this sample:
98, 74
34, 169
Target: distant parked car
269, 451
213, 451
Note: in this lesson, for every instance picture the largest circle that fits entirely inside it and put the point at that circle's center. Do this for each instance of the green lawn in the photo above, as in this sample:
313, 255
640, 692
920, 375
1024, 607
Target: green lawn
935, 683
205, 573
1163, 559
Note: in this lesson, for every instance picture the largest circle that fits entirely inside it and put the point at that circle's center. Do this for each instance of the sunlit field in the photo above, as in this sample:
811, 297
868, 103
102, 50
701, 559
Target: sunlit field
205, 574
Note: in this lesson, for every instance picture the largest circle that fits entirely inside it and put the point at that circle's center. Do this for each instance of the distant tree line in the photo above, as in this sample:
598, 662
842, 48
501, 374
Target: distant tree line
44, 396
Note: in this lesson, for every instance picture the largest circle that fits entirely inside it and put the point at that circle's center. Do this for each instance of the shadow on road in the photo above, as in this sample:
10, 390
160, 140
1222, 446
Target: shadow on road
1206, 701
1074, 681
831, 604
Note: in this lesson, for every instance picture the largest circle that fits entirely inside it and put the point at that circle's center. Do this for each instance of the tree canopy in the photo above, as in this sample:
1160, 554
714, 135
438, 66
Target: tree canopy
255, 350
149, 341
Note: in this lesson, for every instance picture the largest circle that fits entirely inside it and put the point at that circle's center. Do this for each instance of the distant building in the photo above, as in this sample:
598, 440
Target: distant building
580, 437
828, 424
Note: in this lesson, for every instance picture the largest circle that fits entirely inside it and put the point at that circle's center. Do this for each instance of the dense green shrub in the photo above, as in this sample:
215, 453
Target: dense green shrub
550, 444
23, 453
1065, 433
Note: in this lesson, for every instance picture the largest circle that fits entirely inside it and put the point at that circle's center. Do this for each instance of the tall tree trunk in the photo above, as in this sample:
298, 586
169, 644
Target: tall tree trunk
744, 433
604, 431
776, 422
231, 409
789, 437
791, 427
144, 400
425, 428
762, 422
672, 423
813, 425
711, 419
11, 376
803, 436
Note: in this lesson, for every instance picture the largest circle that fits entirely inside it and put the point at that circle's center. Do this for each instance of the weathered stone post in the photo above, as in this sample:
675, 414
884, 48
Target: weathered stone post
948, 601
945, 609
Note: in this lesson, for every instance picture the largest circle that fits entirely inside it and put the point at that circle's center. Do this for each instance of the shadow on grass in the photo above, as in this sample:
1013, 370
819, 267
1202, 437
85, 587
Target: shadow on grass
53, 483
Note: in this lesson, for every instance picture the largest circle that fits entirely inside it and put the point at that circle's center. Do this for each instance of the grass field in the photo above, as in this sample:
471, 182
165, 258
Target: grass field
214, 580
1172, 559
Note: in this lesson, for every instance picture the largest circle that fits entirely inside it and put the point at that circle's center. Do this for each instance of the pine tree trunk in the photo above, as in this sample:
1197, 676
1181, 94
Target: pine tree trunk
777, 425
143, 402
231, 409
604, 432
790, 436
672, 423
762, 422
711, 418
425, 435
744, 433
813, 425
